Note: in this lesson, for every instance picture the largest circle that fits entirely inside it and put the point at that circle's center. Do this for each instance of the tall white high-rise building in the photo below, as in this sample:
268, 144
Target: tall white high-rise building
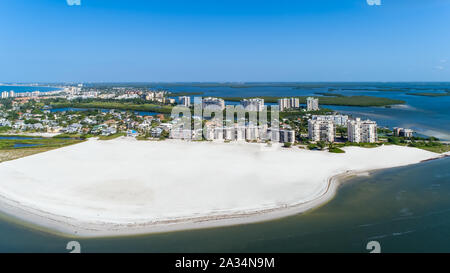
185, 101
12, 94
288, 103
213, 103
283, 104
5, 94
338, 120
295, 102
321, 130
362, 131
312, 104
287, 136
253, 104
251, 132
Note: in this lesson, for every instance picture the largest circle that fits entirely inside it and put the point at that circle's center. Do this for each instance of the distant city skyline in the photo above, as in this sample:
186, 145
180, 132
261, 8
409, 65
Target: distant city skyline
227, 41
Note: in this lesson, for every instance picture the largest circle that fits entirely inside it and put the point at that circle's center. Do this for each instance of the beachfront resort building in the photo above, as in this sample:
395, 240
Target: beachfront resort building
288, 103
402, 132
312, 104
321, 130
253, 104
185, 101
360, 131
213, 103
338, 120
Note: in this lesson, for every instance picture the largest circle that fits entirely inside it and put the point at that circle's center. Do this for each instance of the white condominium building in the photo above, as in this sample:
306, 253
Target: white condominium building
5, 94
185, 101
362, 131
295, 102
155, 96
321, 130
249, 132
288, 103
180, 133
253, 104
212, 103
287, 136
402, 132
312, 104
283, 104
338, 120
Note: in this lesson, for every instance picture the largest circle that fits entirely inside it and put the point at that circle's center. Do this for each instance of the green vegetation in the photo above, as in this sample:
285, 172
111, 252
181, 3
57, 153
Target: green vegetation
164, 135
287, 145
430, 144
336, 150
36, 142
312, 146
69, 136
332, 148
362, 145
110, 137
119, 105
12, 154
435, 147
4, 129
363, 101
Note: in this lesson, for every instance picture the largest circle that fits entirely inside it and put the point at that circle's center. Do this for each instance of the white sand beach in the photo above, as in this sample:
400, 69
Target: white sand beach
125, 186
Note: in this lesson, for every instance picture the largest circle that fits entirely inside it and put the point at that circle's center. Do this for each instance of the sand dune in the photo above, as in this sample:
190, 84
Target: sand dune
124, 186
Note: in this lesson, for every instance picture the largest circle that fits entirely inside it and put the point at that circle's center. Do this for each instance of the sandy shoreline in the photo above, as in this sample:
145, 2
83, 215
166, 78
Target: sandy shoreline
124, 219
68, 227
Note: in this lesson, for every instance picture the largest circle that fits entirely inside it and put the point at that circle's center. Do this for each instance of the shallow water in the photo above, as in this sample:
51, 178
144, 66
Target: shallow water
21, 145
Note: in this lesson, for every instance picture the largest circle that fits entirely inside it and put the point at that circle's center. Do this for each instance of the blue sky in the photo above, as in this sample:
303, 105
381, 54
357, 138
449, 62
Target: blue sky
224, 40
